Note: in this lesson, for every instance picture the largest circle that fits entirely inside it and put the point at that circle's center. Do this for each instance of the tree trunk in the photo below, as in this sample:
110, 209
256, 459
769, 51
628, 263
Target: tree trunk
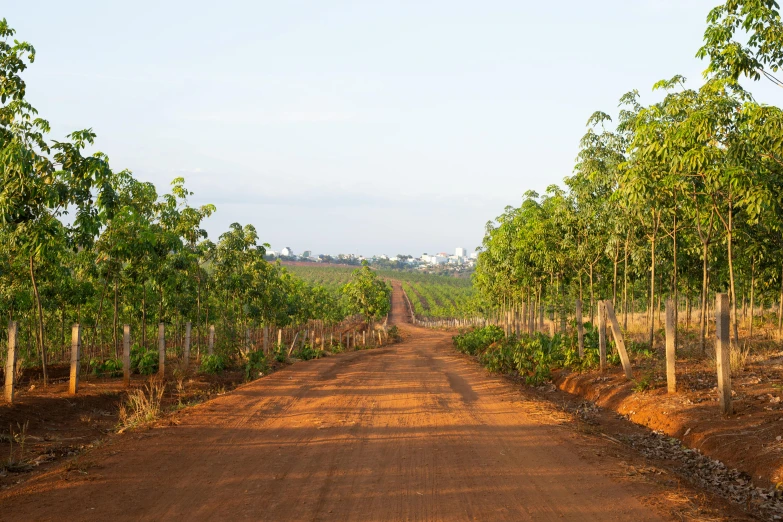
652, 293
42, 344
625, 282
703, 308
731, 276
752, 295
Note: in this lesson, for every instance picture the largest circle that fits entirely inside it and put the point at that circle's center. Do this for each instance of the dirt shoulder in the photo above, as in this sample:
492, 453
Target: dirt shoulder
750, 440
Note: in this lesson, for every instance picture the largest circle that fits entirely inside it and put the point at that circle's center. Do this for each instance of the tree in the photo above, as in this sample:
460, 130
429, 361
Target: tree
367, 295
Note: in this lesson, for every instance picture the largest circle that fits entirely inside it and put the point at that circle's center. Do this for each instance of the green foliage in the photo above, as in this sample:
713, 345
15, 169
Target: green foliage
280, 353
531, 357
643, 384
307, 352
256, 366
144, 361
106, 368
213, 364
367, 295
394, 333
475, 341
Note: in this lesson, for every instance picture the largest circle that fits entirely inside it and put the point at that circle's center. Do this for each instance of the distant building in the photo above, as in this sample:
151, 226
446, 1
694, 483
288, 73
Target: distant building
474, 255
307, 253
439, 259
287, 252
459, 252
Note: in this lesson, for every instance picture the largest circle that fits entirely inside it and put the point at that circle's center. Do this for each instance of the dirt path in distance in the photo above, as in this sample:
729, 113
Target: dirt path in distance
409, 432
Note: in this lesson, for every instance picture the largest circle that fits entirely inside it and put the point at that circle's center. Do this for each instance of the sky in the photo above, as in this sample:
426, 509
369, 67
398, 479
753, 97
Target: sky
359, 127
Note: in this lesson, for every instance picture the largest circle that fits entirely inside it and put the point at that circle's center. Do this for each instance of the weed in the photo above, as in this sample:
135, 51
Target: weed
394, 334
16, 460
256, 365
213, 364
738, 357
107, 368
307, 352
142, 405
144, 361
643, 384
279, 352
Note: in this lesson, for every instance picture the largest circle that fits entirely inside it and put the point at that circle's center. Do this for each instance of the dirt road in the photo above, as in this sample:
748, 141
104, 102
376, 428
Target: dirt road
411, 432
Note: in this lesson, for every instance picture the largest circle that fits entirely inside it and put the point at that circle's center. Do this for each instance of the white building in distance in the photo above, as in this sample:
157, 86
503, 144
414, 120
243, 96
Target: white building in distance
459, 252
287, 252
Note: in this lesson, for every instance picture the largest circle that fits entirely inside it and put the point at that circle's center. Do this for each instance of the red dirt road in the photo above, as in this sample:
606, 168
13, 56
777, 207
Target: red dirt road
410, 432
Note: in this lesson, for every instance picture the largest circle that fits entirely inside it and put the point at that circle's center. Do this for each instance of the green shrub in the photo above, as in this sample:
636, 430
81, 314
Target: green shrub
532, 357
256, 365
394, 333
107, 368
143, 361
213, 364
280, 352
479, 339
337, 348
307, 352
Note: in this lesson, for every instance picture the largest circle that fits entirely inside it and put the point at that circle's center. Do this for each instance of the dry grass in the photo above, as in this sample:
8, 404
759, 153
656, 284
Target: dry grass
738, 357
142, 406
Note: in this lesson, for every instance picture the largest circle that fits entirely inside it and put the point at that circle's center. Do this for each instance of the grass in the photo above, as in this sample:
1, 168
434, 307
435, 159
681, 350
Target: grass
16, 460
142, 406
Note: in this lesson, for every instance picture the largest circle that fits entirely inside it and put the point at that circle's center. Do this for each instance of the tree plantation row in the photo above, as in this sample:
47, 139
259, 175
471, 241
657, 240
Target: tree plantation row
678, 199
83, 243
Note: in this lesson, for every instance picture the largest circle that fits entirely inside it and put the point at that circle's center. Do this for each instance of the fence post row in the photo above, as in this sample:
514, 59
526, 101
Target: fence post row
211, 345
10, 363
76, 348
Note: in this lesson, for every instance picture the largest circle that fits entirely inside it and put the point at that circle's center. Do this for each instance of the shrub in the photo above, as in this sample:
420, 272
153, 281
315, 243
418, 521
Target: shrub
307, 352
144, 361
213, 364
107, 368
142, 405
279, 351
394, 334
256, 365
477, 340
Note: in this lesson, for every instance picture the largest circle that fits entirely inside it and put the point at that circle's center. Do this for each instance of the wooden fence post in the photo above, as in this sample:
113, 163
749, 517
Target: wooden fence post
211, 345
161, 349
76, 348
266, 340
671, 349
126, 369
580, 328
186, 348
279, 336
602, 334
618, 339
723, 352
10, 363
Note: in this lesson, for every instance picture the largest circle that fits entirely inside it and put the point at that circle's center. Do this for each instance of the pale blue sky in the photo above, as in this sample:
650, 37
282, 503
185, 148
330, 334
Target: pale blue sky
346, 126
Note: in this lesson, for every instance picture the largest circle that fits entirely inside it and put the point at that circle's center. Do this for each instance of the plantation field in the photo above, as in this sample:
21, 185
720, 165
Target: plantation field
431, 296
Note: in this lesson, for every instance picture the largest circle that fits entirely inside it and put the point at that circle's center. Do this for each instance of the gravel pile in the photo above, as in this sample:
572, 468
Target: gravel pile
711, 474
